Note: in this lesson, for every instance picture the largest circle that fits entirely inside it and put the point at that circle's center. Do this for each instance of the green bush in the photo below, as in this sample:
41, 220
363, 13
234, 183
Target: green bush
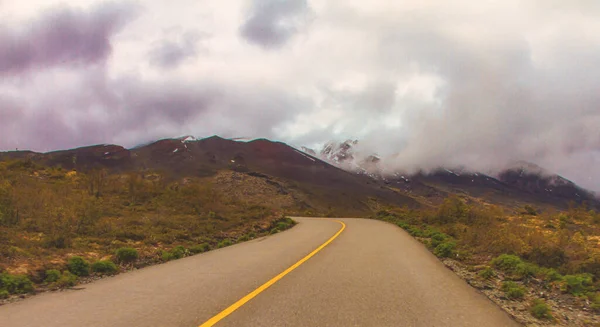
540, 309
403, 225
224, 243
252, 235
289, 221
52, 276
179, 252
274, 231
15, 284
200, 248
282, 226
549, 274
78, 266
166, 256
445, 249
243, 238
66, 280
437, 239
526, 270
507, 262
415, 231
126, 255
577, 284
104, 267
487, 273
513, 290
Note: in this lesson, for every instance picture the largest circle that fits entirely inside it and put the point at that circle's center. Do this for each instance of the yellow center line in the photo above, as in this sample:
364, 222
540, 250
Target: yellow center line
212, 321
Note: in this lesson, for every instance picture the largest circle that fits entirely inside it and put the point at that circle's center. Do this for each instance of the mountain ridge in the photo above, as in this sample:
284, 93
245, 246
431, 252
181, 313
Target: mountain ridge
520, 178
335, 170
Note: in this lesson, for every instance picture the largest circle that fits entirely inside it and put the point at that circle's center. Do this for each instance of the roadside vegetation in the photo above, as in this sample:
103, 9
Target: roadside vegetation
523, 253
59, 227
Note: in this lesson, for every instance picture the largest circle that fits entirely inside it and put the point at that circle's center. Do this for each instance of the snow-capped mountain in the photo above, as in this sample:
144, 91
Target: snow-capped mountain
346, 155
339, 152
524, 177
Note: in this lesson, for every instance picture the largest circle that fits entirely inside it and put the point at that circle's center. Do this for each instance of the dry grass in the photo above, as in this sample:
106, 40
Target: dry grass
49, 214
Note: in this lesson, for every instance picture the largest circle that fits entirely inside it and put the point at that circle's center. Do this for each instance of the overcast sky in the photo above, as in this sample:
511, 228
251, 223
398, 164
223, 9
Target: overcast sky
476, 83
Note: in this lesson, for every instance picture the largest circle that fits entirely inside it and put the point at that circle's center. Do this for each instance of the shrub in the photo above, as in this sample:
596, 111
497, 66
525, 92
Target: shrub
289, 221
104, 267
166, 256
540, 309
437, 239
577, 284
549, 274
52, 276
282, 226
415, 231
252, 235
78, 266
126, 255
526, 270
4, 294
445, 249
243, 238
487, 273
274, 231
224, 243
513, 290
200, 248
66, 280
507, 262
15, 284
177, 252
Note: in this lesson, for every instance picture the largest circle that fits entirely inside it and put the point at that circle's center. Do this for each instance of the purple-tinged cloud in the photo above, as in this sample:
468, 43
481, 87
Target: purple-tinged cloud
272, 23
62, 37
171, 52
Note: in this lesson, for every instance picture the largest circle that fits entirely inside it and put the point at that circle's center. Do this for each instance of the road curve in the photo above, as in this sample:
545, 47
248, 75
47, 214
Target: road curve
373, 274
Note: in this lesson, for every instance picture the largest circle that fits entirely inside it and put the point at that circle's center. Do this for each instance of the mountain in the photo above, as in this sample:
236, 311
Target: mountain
522, 182
321, 185
337, 176
536, 180
339, 153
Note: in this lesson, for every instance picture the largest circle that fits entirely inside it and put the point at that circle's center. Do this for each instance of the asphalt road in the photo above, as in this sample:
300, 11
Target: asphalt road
373, 274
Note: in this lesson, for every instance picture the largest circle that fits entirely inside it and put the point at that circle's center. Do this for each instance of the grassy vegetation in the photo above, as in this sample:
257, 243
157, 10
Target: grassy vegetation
104, 267
78, 266
200, 248
66, 280
126, 255
14, 284
60, 225
513, 290
540, 309
554, 251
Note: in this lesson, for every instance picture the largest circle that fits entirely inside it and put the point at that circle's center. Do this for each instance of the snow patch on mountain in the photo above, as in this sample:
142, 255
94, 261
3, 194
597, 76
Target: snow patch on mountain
188, 138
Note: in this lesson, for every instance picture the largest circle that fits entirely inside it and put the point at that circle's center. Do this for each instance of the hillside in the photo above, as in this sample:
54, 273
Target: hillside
325, 187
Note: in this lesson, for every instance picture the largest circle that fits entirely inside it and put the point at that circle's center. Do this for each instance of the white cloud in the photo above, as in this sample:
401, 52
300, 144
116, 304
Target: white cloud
469, 82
